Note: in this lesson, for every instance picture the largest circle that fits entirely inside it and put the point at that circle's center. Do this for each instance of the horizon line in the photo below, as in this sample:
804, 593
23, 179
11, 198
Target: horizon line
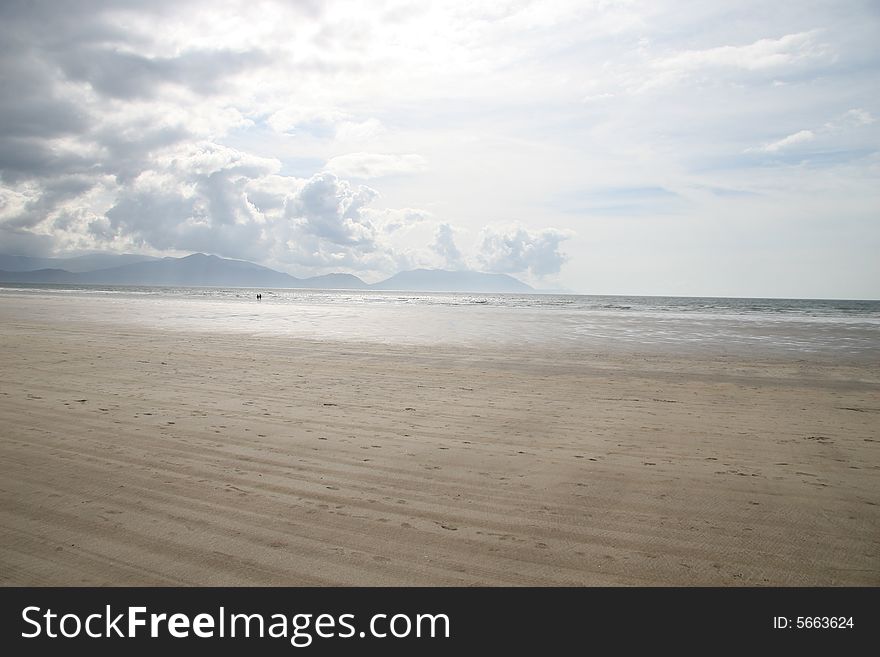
534, 291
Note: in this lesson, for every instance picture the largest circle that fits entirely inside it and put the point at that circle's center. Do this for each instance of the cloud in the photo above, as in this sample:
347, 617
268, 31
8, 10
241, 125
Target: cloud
596, 98
222, 201
327, 226
34, 210
30, 109
129, 75
391, 220
800, 137
331, 209
325, 123
777, 57
759, 55
444, 246
854, 118
194, 198
515, 249
859, 117
28, 158
248, 129
848, 122
375, 165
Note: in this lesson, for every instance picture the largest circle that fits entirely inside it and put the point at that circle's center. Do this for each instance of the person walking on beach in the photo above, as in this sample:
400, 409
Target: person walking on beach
259, 297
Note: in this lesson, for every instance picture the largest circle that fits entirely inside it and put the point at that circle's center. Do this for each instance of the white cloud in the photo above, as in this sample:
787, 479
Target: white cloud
800, 137
444, 246
859, 117
391, 220
331, 210
375, 165
848, 122
207, 158
854, 118
596, 98
325, 123
515, 249
759, 55
348, 131
13, 203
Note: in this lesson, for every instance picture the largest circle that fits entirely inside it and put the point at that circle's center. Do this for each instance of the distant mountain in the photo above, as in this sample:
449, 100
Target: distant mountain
202, 270
38, 276
197, 269
439, 280
75, 264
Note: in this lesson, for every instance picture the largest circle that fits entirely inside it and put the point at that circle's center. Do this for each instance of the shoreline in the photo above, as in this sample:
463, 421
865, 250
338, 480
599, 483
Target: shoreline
214, 459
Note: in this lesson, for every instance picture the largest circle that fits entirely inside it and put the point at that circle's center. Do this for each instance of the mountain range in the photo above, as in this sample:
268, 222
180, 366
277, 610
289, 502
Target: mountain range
200, 270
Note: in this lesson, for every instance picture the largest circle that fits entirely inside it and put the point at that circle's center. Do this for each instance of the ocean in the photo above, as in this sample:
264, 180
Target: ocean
719, 326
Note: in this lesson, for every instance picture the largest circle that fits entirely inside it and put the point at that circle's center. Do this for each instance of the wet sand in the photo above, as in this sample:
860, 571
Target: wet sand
131, 455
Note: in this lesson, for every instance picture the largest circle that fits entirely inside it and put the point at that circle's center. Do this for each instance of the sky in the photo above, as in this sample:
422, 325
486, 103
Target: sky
660, 147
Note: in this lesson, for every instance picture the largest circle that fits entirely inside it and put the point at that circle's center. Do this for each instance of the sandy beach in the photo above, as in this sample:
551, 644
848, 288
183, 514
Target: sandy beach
133, 455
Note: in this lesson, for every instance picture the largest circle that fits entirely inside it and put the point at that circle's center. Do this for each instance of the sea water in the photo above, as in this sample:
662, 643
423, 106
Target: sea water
831, 328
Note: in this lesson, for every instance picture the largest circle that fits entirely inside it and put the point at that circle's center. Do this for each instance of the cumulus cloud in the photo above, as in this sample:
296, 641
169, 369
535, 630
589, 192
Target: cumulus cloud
194, 198
331, 209
375, 165
327, 227
444, 246
76, 134
223, 201
226, 202
110, 138
515, 249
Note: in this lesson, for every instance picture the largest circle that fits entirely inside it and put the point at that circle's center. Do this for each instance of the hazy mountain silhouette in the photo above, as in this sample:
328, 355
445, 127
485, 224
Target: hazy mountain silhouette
197, 269
439, 280
202, 270
82, 263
